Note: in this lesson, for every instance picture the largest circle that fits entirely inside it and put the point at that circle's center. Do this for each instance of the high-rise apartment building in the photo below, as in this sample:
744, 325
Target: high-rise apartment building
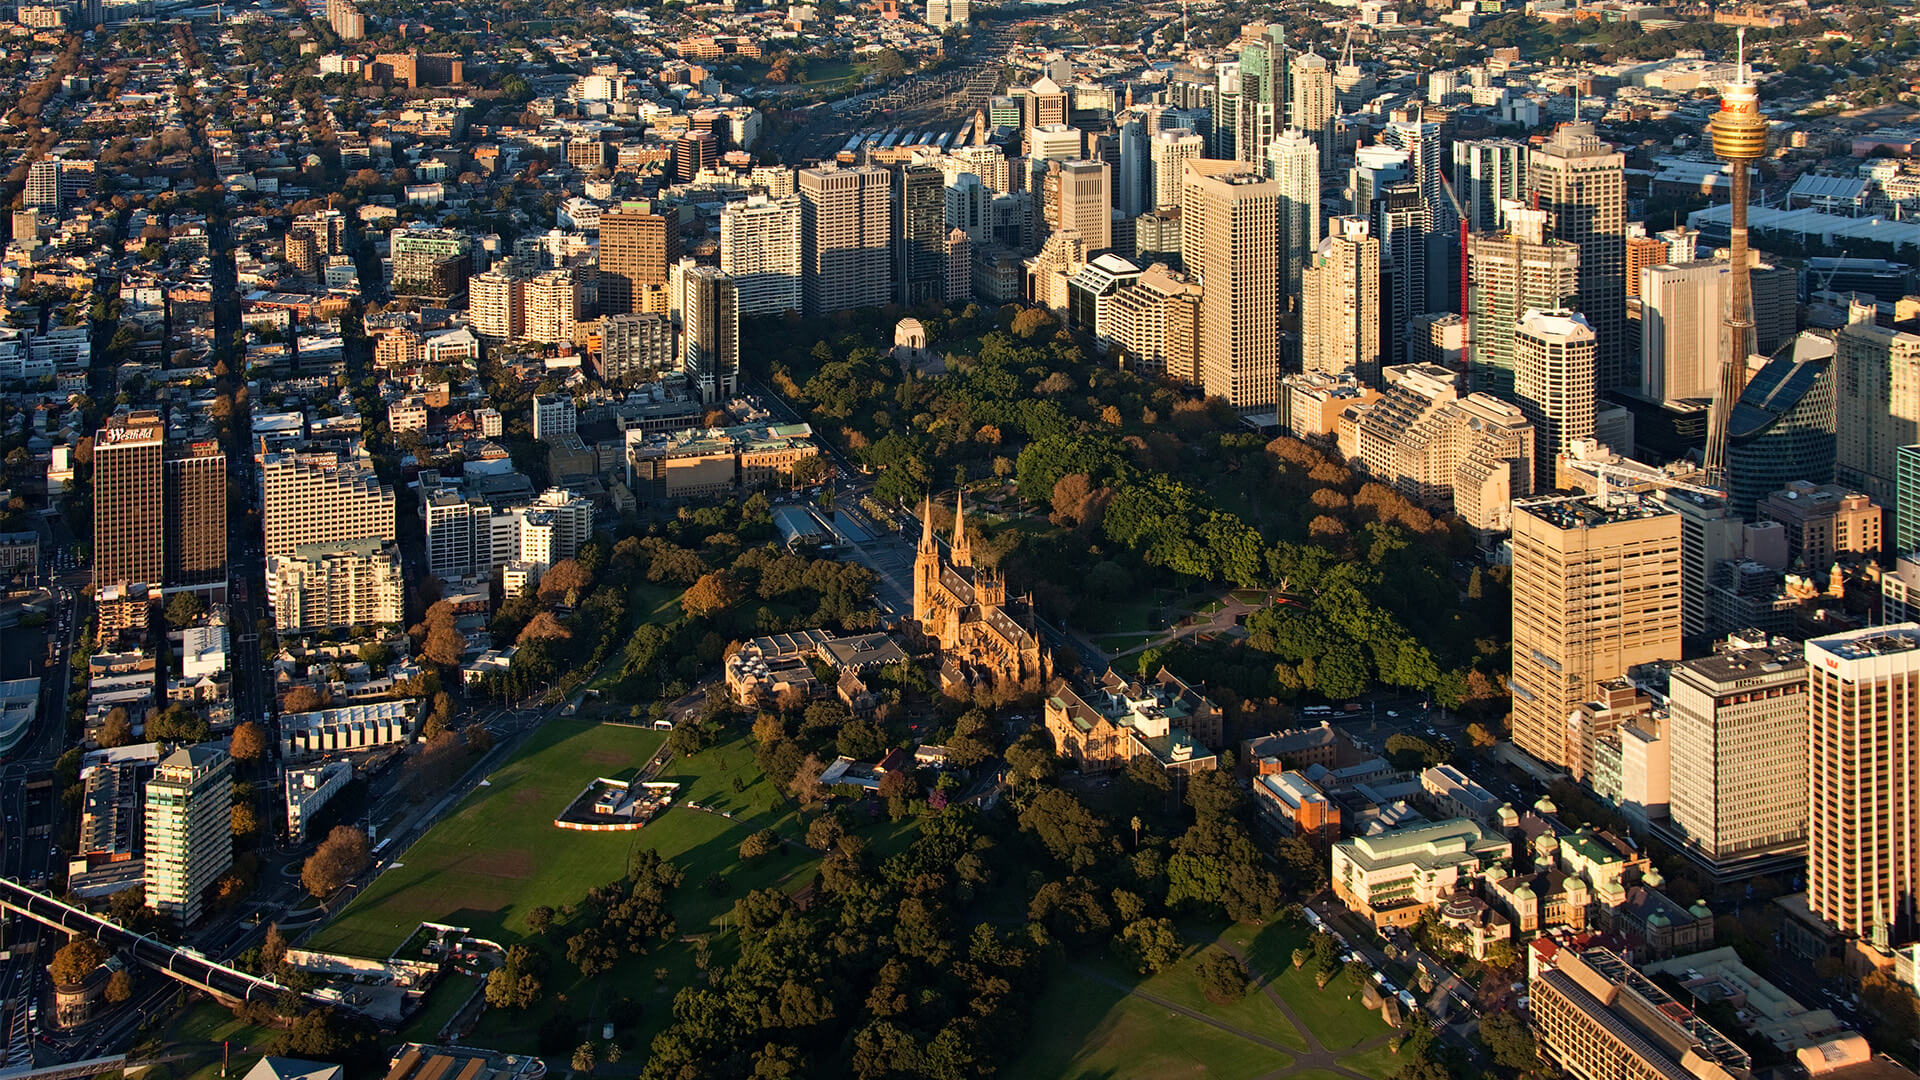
1421, 141
636, 247
1878, 402
42, 190
553, 307
760, 250
1580, 181
497, 302
311, 500
944, 13
1486, 173
1863, 794
1738, 763
129, 500
709, 319
1682, 327
1515, 271
919, 234
1313, 104
554, 416
1237, 223
1171, 149
1340, 303
845, 225
196, 515
636, 349
1078, 198
959, 254
1553, 359
1906, 499
189, 830
1596, 590
1154, 326
1293, 161
1643, 252
430, 263
335, 586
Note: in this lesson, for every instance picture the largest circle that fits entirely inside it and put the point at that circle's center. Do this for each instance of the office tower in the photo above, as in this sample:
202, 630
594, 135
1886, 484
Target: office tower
42, 190
1421, 141
1580, 181
1738, 766
1825, 521
497, 302
1055, 142
919, 223
959, 253
1237, 223
1053, 267
1595, 1016
553, 306
1515, 271
1878, 406
1906, 505
1090, 294
845, 224
196, 515
709, 330
1401, 221
1783, 428
1596, 590
1643, 252
1293, 161
1171, 149
760, 250
189, 830
1340, 303
1263, 91
1313, 105
1155, 326
430, 263
634, 349
985, 162
1078, 199
689, 154
1044, 103
969, 206
1216, 115
944, 13
1681, 329
337, 585
310, 501
1553, 361
1863, 799
129, 501
1740, 136
1133, 180
635, 250
1486, 173
1374, 168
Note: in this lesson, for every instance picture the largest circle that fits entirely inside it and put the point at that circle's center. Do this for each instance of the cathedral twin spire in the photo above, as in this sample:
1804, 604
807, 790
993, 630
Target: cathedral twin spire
961, 548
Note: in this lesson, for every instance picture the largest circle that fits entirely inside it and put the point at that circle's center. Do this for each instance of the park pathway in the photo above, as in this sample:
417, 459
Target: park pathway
1315, 1057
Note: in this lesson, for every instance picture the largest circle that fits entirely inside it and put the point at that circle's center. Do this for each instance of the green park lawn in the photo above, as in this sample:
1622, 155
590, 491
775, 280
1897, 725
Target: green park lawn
197, 1034
1084, 1029
1335, 1014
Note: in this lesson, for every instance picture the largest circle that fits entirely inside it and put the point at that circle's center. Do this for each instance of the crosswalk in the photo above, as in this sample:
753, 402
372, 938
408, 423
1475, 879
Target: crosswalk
20, 1038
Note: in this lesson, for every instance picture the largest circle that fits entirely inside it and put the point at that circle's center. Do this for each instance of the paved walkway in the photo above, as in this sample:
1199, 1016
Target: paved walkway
1315, 1057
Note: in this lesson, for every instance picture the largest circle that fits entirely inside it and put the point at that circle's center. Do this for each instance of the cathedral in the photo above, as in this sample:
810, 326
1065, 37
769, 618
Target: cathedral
983, 638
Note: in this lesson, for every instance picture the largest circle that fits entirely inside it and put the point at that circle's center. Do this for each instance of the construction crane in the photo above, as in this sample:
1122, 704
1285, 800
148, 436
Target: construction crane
1623, 473
1466, 308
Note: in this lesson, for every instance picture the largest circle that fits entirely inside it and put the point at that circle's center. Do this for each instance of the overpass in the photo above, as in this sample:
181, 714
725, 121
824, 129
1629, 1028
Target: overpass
223, 982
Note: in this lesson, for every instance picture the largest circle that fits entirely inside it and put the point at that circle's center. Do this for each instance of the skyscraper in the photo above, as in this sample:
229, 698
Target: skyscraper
1738, 780
635, 250
1237, 224
1263, 90
1553, 361
1863, 795
497, 302
1421, 141
1596, 590
1514, 271
1293, 161
1133, 180
1171, 149
760, 250
1044, 103
1740, 136
1906, 506
129, 500
1078, 199
42, 189
1340, 303
845, 225
1487, 172
1878, 406
1783, 428
919, 223
310, 500
1681, 330
944, 13
1580, 181
196, 516
1314, 105
709, 330
1402, 222
189, 830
